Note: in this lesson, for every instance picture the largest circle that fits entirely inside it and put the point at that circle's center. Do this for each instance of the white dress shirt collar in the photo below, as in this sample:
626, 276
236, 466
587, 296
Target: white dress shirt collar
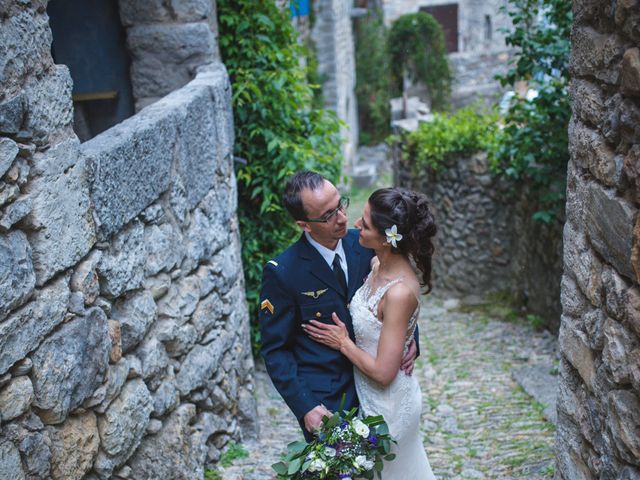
329, 254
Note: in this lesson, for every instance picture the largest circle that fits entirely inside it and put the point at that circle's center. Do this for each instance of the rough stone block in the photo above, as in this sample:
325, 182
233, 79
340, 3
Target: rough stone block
153, 359
199, 366
165, 55
191, 10
166, 397
85, 277
23, 331
74, 446
615, 292
16, 398
8, 153
15, 212
115, 334
587, 101
618, 345
609, 226
198, 142
10, 465
164, 246
173, 452
583, 264
25, 42
61, 213
630, 81
597, 55
17, 277
49, 105
135, 313
631, 173
121, 267
627, 17
623, 418
134, 12
589, 149
575, 347
70, 365
122, 426
141, 147
116, 376
214, 75
208, 313
181, 300
629, 122
12, 113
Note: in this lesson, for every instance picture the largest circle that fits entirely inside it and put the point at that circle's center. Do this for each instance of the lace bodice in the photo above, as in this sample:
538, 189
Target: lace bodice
364, 306
400, 402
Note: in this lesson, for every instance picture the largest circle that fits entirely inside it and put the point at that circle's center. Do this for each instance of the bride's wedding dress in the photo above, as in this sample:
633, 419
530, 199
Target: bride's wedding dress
401, 401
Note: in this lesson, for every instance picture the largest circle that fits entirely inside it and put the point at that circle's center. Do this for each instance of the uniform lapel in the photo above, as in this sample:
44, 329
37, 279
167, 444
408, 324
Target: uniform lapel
318, 267
353, 264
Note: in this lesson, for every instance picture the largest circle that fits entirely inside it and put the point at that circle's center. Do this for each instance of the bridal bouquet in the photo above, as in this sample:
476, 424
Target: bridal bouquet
346, 447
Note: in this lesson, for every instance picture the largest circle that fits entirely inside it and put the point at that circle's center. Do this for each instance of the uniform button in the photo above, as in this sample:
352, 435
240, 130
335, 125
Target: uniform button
318, 314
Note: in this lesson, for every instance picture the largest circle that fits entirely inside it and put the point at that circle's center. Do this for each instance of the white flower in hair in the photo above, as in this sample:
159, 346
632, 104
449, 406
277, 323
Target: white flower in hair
393, 236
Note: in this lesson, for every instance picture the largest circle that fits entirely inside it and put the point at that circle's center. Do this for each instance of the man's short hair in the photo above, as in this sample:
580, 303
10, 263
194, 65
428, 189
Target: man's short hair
292, 197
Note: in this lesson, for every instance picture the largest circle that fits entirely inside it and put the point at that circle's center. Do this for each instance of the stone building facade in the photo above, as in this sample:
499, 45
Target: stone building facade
332, 37
475, 40
124, 333
599, 394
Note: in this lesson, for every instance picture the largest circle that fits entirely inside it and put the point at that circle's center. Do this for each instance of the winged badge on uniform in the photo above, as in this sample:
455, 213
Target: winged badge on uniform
315, 294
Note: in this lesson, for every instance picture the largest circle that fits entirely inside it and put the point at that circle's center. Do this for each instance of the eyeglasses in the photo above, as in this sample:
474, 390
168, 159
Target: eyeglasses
327, 217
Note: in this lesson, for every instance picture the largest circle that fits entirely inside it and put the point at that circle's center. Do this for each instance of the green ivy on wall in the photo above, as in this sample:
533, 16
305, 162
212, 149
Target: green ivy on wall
533, 146
417, 51
278, 129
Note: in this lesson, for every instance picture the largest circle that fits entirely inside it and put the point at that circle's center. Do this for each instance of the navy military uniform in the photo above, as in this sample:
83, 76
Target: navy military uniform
298, 286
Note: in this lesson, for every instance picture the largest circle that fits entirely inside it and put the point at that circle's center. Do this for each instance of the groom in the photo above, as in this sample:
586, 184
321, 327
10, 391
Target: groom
314, 277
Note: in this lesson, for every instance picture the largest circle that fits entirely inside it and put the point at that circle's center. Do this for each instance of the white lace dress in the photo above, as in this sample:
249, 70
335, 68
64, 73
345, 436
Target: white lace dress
401, 401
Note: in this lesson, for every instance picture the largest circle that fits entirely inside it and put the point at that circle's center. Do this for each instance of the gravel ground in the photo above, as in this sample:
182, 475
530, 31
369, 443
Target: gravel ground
477, 421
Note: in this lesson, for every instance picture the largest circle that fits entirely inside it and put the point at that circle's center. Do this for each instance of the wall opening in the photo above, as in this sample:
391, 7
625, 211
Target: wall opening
488, 30
447, 16
89, 38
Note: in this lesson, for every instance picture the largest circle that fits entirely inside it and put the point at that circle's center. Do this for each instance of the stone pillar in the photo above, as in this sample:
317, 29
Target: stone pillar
333, 38
167, 41
599, 392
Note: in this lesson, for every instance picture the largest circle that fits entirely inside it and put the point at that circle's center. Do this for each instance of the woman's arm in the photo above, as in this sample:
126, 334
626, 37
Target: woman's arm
399, 304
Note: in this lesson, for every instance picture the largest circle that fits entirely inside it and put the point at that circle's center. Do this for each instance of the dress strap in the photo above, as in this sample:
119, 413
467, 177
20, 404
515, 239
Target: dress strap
377, 295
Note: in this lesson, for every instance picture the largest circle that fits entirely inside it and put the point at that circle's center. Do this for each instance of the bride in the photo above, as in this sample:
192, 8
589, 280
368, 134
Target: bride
398, 225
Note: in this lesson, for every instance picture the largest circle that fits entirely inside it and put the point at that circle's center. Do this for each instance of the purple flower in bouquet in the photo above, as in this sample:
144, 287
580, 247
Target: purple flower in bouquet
373, 440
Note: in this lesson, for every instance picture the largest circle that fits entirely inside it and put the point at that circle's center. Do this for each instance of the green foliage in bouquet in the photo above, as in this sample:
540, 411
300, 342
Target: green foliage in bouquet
278, 128
346, 447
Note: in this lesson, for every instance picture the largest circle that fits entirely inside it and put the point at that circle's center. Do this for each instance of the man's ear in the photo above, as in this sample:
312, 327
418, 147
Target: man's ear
304, 226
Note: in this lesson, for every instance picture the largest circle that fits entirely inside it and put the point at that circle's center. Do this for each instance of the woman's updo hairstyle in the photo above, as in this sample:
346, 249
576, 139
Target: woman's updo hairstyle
409, 211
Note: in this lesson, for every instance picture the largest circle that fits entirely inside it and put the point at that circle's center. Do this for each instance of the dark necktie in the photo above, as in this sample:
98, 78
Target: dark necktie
339, 273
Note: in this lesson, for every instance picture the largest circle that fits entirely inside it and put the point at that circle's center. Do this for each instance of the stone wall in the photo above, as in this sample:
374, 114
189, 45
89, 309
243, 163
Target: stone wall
474, 76
124, 337
487, 241
333, 39
599, 394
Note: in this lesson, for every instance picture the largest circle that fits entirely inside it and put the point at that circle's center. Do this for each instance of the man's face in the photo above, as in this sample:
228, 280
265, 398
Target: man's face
318, 204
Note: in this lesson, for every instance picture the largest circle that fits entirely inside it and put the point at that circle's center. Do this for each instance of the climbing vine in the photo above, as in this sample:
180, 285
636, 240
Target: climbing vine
533, 146
417, 51
278, 129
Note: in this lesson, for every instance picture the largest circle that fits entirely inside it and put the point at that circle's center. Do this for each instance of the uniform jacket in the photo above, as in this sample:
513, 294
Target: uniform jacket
298, 286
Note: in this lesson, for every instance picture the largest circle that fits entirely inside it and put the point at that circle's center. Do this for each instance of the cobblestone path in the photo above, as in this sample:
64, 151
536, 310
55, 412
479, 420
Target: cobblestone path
477, 422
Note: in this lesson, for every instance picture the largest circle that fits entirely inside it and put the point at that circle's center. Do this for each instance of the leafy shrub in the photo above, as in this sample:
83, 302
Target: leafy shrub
417, 50
533, 146
448, 137
277, 128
